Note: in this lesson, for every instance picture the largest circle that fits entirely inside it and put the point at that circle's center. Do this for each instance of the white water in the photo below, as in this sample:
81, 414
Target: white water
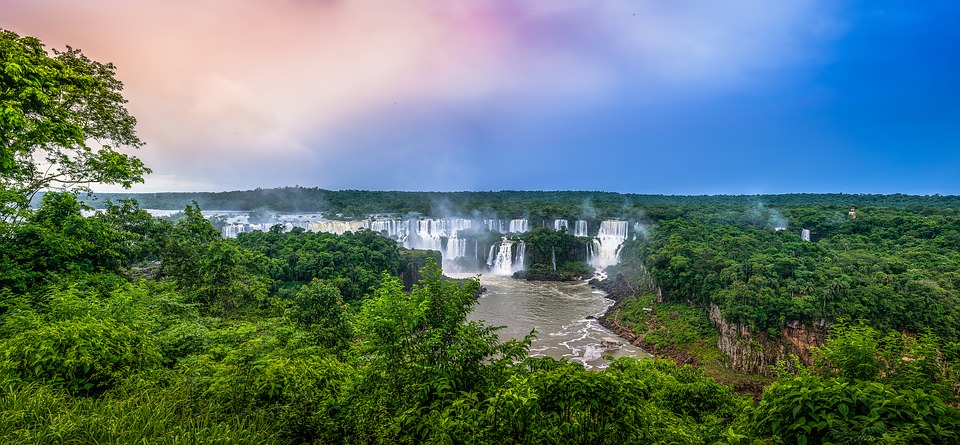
503, 263
580, 229
444, 235
519, 226
558, 311
607, 244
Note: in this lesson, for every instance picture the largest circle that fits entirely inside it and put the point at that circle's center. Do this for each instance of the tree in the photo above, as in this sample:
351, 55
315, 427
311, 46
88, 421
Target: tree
62, 119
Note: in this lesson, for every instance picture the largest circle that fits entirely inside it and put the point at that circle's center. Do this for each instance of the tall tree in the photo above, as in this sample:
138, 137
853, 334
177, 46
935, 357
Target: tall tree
62, 121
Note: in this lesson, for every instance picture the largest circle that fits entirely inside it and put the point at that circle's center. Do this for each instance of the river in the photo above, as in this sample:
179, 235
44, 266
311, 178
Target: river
557, 310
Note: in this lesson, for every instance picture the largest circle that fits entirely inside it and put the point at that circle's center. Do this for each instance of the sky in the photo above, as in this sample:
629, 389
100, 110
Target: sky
642, 96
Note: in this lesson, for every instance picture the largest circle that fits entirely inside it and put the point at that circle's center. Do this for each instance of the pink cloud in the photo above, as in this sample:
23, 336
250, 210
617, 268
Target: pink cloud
257, 82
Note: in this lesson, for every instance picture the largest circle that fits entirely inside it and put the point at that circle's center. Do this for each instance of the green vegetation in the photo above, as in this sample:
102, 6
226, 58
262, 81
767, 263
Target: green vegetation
555, 256
123, 328
51, 107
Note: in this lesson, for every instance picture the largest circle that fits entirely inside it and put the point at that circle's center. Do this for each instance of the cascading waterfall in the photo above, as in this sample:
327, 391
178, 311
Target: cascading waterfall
519, 226
495, 225
232, 230
506, 261
456, 248
580, 229
607, 244
519, 263
503, 263
450, 237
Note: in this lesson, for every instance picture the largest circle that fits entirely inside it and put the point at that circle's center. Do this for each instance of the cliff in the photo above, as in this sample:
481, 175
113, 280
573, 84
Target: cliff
756, 352
413, 261
745, 351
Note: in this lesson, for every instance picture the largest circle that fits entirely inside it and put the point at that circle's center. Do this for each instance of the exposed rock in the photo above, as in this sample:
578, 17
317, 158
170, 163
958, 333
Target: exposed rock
756, 352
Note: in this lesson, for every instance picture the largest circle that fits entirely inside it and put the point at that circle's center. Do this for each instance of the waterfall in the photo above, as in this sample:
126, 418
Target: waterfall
456, 248
639, 231
495, 225
607, 244
553, 257
560, 224
518, 264
490, 258
519, 226
232, 230
338, 227
503, 263
580, 229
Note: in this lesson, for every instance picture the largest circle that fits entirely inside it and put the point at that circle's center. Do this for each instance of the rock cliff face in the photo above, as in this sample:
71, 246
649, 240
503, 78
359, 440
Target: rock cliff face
751, 352
757, 352
413, 261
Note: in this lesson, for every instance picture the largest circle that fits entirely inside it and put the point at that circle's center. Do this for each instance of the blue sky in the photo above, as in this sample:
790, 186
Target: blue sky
682, 97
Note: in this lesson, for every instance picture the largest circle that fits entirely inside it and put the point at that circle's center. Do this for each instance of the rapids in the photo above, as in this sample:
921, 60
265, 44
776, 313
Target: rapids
557, 310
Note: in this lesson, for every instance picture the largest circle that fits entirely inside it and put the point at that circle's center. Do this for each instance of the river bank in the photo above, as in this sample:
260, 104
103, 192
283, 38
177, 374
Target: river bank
678, 332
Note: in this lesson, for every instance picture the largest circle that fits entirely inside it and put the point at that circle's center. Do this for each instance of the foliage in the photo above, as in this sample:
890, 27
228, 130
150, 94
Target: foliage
353, 262
555, 255
894, 267
811, 410
51, 107
857, 351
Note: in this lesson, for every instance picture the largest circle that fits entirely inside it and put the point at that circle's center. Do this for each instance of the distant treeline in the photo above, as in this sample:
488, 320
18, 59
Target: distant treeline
505, 204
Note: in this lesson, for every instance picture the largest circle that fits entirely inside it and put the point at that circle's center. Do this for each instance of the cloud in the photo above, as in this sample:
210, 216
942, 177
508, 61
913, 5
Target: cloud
243, 88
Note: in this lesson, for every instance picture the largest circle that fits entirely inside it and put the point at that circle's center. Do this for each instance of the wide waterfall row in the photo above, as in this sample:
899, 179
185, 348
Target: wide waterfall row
465, 244
232, 230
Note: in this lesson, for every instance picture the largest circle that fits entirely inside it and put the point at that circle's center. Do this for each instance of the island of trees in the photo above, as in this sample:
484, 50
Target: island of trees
119, 327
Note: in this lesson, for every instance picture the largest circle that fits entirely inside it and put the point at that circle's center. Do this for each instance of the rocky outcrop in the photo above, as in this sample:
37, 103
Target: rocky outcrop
631, 280
756, 352
413, 261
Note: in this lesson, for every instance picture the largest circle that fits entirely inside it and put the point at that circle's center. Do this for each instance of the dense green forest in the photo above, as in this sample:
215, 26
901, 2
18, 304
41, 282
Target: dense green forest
119, 327
505, 204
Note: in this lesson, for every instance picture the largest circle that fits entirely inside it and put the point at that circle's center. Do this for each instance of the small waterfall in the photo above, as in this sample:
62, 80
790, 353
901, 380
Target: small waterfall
580, 229
560, 224
607, 244
394, 228
553, 257
639, 231
490, 257
518, 263
519, 226
495, 225
456, 248
503, 263
232, 230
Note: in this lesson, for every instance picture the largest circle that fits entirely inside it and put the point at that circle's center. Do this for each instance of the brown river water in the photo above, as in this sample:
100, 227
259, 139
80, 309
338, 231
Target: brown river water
558, 311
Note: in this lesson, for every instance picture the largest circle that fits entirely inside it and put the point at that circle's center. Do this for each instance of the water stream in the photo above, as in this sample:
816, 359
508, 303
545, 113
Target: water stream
557, 310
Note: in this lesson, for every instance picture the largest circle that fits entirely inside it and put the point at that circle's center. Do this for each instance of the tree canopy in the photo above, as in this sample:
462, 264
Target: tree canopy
62, 121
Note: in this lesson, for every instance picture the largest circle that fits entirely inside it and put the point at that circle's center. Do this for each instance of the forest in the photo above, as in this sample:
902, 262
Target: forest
505, 204
119, 327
